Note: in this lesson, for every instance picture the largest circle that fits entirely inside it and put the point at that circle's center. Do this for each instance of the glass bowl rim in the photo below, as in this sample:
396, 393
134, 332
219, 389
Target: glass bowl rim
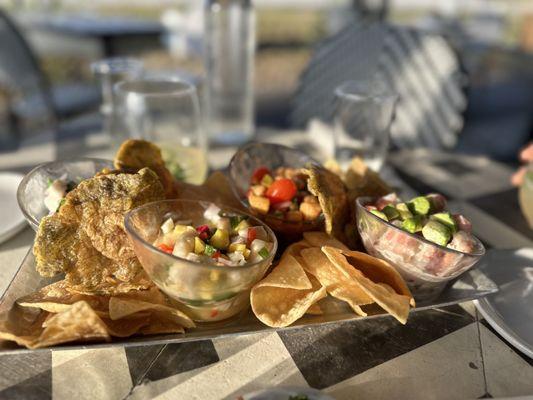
245, 204
420, 238
24, 182
149, 246
174, 87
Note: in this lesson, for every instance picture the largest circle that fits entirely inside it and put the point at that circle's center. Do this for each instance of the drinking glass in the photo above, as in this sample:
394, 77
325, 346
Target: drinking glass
525, 195
167, 113
109, 72
363, 116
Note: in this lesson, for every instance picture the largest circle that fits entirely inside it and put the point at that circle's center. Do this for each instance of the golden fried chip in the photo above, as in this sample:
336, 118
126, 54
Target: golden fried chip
79, 322
57, 298
22, 325
158, 327
121, 307
332, 197
101, 203
314, 310
127, 326
285, 294
335, 282
362, 181
55, 246
319, 239
137, 154
349, 262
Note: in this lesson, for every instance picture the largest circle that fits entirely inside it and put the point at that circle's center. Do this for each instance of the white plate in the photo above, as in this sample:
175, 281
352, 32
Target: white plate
284, 393
510, 311
11, 219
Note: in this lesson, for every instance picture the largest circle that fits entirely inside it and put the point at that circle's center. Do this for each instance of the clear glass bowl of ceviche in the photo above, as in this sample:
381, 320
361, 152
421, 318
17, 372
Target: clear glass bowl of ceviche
267, 179
207, 257
428, 245
40, 192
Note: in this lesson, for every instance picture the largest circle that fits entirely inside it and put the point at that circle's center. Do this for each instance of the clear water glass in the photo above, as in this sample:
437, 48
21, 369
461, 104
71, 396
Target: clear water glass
525, 195
108, 72
167, 113
363, 115
229, 63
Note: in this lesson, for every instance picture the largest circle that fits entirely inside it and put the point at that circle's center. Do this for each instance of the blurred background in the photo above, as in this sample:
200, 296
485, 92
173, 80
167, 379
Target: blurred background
493, 41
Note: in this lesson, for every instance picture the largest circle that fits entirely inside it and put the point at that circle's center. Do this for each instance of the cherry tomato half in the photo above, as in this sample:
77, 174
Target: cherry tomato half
281, 190
258, 174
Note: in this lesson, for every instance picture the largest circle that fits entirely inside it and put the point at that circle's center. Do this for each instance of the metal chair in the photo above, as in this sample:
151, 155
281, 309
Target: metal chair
420, 66
27, 98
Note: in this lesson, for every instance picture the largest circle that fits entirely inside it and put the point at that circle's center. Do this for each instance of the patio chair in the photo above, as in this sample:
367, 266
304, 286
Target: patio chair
420, 66
28, 104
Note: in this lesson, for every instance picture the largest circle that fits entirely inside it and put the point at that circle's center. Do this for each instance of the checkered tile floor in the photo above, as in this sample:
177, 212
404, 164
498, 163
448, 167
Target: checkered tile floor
450, 353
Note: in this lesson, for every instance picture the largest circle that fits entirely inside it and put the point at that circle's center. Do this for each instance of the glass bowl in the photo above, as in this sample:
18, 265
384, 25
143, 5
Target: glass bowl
32, 188
255, 155
206, 292
426, 266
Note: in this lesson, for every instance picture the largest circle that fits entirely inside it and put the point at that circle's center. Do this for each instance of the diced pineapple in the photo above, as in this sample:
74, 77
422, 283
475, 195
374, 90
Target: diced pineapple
237, 247
220, 239
294, 216
242, 225
259, 204
310, 211
246, 253
258, 190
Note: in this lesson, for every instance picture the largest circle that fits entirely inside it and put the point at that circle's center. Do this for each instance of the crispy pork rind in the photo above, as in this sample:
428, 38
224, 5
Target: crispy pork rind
137, 154
101, 203
332, 197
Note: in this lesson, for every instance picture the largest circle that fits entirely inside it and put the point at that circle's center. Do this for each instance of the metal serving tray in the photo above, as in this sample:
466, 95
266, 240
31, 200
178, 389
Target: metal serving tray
472, 285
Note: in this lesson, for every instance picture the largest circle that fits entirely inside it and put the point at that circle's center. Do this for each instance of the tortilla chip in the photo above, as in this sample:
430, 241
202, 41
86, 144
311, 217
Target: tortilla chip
319, 239
396, 304
121, 307
158, 327
22, 325
285, 294
314, 310
56, 298
332, 197
80, 322
127, 326
335, 282
138, 154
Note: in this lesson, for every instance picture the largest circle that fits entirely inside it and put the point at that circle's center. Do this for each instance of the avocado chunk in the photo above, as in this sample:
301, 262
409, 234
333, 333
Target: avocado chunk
220, 239
436, 232
199, 245
403, 210
445, 219
413, 224
419, 205
391, 212
379, 214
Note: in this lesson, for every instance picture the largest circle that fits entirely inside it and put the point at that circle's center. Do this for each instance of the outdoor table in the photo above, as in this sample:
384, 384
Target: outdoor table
440, 354
115, 34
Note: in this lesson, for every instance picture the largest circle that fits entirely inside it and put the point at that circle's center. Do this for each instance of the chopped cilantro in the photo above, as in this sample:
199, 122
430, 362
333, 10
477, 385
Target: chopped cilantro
209, 250
236, 220
49, 182
263, 252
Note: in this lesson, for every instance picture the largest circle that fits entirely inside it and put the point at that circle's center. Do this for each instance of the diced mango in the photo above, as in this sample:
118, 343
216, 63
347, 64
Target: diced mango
310, 211
259, 204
